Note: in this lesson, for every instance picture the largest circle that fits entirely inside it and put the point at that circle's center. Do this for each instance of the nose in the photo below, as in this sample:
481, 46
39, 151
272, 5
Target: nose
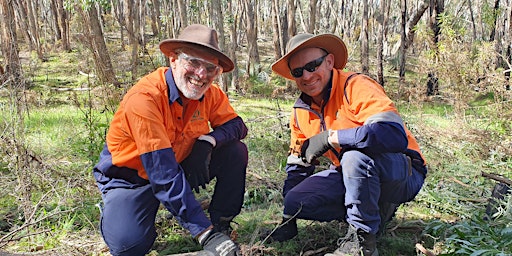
201, 71
306, 74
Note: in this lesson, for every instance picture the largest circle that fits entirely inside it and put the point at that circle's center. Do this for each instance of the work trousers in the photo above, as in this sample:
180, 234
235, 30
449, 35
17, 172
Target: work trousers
352, 192
129, 211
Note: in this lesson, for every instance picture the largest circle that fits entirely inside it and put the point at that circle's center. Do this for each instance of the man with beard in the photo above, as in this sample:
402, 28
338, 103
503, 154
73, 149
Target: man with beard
174, 131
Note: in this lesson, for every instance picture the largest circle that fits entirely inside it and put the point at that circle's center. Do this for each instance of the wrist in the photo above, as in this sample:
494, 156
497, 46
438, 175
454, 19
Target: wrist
208, 138
333, 138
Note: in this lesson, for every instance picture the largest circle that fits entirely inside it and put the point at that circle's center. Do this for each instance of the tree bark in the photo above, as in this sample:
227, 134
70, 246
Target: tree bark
312, 16
401, 71
233, 46
413, 21
253, 64
94, 40
364, 40
380, 41
64, 25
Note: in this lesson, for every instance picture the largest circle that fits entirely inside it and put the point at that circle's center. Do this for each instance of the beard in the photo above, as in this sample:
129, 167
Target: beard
191, 86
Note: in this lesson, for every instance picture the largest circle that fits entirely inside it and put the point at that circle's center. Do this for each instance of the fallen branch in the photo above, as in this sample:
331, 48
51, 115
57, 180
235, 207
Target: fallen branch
424, 250
497, 177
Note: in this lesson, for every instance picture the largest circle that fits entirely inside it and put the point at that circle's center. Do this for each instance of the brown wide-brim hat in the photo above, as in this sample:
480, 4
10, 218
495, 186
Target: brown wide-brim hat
330, 43
197, 36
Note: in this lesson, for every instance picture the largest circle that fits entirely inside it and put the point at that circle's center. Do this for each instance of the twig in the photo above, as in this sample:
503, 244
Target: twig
280, 225
424, 250
497, 177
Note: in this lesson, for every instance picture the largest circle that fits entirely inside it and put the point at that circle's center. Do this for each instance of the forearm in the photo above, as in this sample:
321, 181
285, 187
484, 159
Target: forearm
234, 129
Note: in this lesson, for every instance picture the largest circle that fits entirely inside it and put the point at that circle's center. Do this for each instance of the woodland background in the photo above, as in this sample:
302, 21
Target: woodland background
65, 65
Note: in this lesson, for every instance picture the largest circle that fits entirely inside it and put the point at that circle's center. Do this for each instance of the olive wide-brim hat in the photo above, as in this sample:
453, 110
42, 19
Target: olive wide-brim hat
330, 43
197, 36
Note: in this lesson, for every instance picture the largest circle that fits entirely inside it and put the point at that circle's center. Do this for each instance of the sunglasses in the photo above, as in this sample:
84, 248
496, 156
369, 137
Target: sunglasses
193, 63
310, 67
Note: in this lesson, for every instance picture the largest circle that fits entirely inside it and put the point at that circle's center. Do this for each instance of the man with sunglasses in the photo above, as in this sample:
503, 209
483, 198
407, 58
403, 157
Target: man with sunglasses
173, 132
374, 162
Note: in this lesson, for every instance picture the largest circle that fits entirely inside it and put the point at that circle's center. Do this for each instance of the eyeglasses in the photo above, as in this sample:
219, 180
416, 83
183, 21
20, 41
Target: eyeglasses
310, 67
194, 63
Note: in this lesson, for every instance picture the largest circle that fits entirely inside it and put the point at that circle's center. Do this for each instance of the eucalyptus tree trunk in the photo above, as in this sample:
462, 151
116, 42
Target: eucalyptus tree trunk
253, 64
233, 32
14, 136
55, 20
383, 19
495, 20
403, 8
29, 24
64, 25
276, 24
217, 17
156, 22
312, 16
364, 40
94, 40
436, 8
182, 12
118, 9
472, 16
415, 18
292, 24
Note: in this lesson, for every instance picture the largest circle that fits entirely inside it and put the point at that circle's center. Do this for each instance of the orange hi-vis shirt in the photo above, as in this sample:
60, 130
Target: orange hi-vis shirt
350, 104
151, 118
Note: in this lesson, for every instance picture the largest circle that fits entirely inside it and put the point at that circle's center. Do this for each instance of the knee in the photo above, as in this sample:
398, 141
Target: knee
356, 164
128, 243
235, 151
293, 202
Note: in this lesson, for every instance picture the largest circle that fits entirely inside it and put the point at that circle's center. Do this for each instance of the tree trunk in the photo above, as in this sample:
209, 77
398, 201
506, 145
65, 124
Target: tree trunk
55, 20
217, 17
233, 46
403, 7
292, 24
413, 21
495, 20
13, 78
95, 42
253, 64
380, 41
64, 25
364, 40
276, 37
473, 25
436, 8
312, 16
182, 11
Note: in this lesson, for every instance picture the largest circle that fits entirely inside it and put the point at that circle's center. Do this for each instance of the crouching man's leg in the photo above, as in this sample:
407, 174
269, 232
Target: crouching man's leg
228, 165
127, 220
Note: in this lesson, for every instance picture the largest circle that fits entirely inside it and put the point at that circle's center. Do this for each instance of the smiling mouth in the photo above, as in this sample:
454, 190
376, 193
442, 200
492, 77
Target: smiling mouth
196, 82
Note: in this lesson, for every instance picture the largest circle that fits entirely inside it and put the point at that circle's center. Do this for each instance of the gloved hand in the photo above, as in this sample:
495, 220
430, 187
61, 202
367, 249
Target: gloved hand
197, 165
315, 147
220, 245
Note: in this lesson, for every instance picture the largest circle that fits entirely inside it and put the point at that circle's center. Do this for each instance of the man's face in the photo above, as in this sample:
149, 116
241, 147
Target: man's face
194, 72
311, 69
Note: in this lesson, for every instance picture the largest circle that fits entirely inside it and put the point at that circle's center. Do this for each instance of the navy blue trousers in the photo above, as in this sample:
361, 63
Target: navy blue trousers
354, 193
129, 210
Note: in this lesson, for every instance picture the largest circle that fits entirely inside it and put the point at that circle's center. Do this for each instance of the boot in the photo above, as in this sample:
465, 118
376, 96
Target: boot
286, 231
356, 243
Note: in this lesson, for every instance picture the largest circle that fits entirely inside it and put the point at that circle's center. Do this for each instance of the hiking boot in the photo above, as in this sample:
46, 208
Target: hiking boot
356, 243
286, 231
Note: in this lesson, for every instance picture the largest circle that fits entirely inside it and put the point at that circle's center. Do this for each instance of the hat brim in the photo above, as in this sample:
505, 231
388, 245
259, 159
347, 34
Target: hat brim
170, 45
330, 43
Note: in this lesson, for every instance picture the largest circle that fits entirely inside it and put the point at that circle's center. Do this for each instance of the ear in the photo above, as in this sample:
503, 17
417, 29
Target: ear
173, 57
329, 59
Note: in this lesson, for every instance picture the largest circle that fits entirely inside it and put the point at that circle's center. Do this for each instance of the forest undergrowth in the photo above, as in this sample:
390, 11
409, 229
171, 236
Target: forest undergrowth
49, 207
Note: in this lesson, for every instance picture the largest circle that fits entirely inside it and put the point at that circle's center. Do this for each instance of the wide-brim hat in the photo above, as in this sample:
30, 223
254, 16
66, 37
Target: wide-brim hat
200, 37
330, 43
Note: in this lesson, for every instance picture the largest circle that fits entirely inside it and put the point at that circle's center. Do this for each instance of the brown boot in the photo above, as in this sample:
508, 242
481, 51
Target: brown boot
356, 243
